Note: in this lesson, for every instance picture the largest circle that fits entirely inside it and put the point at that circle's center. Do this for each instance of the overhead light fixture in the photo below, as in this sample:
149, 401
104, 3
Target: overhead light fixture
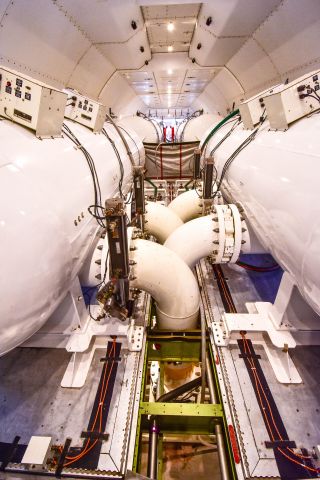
170, 48
170, 27
169, 71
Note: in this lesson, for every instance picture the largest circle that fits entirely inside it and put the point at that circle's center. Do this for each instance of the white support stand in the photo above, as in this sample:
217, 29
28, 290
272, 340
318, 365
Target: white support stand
71, 327
265, 317
95, 335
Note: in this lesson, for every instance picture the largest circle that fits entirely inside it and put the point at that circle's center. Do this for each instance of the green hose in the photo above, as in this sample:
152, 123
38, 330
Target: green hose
219, 125
154, 186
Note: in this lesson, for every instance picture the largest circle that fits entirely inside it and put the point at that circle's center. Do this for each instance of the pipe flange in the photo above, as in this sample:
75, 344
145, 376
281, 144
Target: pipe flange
230, 233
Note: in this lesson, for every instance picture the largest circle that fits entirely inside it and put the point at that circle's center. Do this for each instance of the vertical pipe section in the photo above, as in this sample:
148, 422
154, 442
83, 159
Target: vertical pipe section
218, 429
161, 163
203, 354
153, 449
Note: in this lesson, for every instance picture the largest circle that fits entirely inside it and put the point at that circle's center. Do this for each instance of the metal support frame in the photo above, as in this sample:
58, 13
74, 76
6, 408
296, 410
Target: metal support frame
265, 317
181, 418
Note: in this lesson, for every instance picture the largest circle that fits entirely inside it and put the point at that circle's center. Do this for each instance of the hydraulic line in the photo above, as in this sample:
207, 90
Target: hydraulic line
153, 185
110, 120
218, 126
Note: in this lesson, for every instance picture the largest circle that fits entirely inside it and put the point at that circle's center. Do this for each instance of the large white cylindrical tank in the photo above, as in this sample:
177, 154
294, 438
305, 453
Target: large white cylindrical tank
276, 178
148, 131
194, 129
46, 230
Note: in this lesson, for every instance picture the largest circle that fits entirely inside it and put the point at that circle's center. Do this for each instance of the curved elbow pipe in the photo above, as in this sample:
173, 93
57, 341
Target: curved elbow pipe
160, 272
187, 206
221, 235
161, 221
194, 240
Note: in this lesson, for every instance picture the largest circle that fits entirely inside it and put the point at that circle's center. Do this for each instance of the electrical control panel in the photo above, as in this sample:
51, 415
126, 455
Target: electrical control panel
31, 103
83, 110
252, 109
293, 101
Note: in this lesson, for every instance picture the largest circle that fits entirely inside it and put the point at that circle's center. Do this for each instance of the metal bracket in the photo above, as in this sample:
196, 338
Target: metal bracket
135, 337
265, 317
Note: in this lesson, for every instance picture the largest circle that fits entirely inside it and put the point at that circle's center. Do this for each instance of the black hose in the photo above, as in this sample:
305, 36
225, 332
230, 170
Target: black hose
173, 394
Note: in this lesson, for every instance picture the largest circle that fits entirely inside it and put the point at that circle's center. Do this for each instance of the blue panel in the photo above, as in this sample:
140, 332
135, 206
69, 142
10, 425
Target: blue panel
266, 283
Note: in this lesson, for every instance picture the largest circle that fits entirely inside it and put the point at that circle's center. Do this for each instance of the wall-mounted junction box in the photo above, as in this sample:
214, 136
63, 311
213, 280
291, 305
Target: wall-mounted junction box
83, 110
31, 103
252, 109
293, 101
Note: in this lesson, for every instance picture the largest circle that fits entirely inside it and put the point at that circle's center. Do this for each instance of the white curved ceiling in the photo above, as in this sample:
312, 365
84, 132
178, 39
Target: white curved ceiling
90, 45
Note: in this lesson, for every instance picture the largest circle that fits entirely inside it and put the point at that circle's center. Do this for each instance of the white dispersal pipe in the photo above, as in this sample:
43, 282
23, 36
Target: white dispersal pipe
276, 180
161, 272
187, 206
194, 240
219, 234
161, 221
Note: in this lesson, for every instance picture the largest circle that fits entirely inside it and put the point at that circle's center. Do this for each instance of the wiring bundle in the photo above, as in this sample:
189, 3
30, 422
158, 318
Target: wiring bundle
95, 209
88, 455
292, 465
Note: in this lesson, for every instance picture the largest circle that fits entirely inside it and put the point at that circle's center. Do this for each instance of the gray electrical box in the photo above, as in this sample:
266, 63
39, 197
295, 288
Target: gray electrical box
292, 101
252, 109
83, 110
31, 103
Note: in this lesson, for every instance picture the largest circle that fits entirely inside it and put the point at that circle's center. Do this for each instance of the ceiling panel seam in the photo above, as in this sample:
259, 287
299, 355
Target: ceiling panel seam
220, 37
123, 42
270, 14
77, 63
262, 86
300, 67
31, 70
147, 33
234, 76
267, 55
182, 86
106, 82
222, 67
195, 27
75, 25
5, 13
156, 84
22, 65
278, 7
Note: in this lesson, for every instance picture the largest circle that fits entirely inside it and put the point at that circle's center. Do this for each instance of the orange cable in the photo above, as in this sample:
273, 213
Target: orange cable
283, 453
298, 463
104, 388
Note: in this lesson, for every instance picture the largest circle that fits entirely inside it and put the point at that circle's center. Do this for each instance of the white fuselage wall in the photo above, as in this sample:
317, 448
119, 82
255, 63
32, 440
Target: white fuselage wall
276, 179
45, 229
